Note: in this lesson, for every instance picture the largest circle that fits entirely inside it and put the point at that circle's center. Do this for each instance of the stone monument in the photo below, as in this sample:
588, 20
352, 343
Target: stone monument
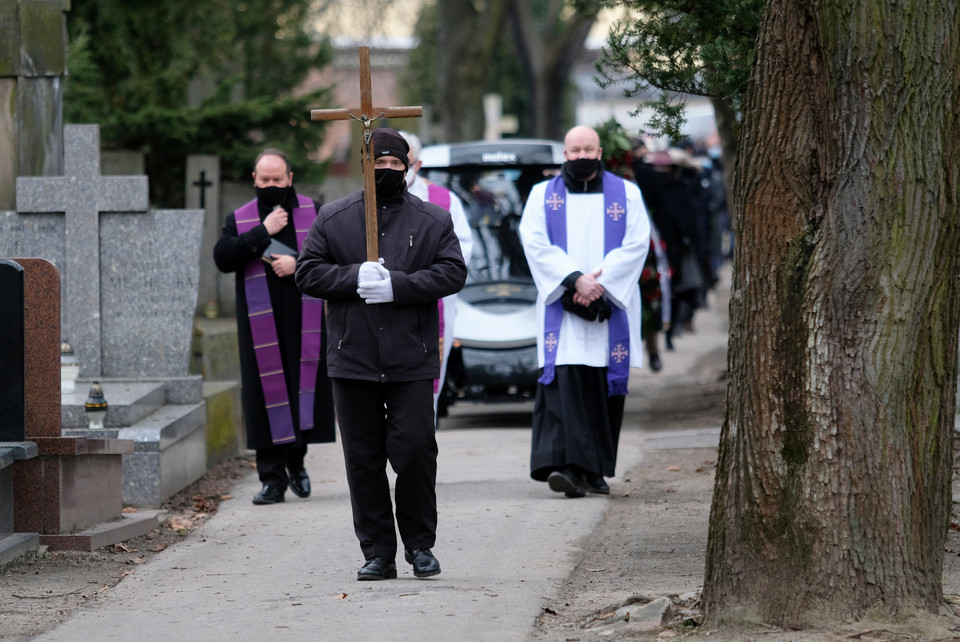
78, 197
11, 352
130, 278
71, 494
13, 447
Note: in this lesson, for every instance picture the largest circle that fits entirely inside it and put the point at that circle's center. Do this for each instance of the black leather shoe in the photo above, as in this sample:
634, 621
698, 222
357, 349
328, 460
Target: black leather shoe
377, 568
596, 485
566, 482
300, 483
269, 495
424, 563
655, 363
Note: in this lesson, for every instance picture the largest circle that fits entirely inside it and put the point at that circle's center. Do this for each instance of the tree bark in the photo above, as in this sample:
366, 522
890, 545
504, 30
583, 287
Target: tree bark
833, 493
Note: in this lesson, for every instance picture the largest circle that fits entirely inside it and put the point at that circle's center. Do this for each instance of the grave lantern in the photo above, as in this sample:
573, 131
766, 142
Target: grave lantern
96, 407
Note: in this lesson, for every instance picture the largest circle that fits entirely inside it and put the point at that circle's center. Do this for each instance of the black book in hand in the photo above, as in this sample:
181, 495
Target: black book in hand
276, 247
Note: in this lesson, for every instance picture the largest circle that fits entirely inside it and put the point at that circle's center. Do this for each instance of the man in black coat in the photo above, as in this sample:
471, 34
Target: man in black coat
286, 395
383, 353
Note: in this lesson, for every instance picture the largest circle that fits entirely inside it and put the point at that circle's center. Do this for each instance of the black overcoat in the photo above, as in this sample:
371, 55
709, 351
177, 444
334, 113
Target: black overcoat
231, 254
389, 342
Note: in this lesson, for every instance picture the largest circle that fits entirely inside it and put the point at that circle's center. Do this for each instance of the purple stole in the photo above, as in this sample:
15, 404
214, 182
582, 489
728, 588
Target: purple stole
614, 228
439, 196
263, 328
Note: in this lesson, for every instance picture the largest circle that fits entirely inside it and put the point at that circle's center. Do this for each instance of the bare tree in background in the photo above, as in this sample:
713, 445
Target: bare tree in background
460, 40
467, 38
550, 39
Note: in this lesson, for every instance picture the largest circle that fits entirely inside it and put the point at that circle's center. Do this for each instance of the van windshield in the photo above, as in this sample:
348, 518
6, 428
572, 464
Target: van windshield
493, 200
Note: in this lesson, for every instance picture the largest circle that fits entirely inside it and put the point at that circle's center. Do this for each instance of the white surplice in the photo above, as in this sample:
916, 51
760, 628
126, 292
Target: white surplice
584, 342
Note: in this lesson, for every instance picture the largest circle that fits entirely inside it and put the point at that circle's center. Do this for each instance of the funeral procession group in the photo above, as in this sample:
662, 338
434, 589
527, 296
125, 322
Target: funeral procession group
346, 313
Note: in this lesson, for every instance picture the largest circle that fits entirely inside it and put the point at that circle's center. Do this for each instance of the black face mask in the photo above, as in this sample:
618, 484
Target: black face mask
583, 168
390, 183
272, 196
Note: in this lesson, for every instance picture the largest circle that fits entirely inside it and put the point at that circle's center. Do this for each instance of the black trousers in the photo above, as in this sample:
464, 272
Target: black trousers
381, 422
274, 463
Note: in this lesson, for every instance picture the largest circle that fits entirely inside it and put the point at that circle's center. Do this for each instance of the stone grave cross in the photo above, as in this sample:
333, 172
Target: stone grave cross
366, 114
81, 194
202, 184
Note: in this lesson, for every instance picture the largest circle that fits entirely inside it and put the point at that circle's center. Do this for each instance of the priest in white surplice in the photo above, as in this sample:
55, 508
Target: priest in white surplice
586, 235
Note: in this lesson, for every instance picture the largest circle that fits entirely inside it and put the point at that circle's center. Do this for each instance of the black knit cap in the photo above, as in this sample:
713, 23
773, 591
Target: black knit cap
389, 142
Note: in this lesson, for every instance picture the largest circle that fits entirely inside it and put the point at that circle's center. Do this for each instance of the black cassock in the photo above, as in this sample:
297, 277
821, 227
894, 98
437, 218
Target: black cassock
231, 254
575, 423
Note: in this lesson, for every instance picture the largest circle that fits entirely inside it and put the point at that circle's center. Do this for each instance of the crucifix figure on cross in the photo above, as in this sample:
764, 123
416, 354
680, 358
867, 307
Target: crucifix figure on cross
367, 114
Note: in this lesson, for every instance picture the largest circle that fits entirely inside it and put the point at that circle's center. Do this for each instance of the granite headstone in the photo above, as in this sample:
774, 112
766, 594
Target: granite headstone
149, 276
41, 355
12, 405
76, 482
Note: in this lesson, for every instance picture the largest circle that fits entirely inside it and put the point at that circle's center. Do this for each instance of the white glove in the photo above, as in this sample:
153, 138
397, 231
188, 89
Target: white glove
377, 291
370, 271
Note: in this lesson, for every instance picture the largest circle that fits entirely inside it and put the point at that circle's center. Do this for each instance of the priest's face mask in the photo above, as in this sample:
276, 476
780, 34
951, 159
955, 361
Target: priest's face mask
581, 148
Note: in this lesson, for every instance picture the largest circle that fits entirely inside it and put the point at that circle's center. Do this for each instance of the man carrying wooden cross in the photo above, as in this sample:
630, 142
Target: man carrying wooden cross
383, 351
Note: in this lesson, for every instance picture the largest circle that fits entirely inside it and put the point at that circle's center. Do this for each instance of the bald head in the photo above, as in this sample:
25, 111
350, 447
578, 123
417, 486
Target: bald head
581, 142
581, 148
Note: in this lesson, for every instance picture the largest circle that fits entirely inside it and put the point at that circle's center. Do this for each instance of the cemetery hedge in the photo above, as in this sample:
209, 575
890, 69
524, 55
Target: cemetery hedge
161, 82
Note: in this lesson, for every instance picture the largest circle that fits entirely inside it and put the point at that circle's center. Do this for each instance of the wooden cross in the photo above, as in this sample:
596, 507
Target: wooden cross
366, 114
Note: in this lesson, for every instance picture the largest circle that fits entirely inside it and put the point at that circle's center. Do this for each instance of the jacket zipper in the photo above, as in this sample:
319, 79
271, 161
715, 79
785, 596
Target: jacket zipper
406, 251
343, 327
423, 343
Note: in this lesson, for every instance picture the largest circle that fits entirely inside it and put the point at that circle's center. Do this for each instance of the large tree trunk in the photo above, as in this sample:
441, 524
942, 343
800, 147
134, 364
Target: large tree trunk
833, 484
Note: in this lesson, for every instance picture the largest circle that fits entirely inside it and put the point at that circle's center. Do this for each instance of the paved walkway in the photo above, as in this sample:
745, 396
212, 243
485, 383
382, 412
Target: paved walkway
288, 571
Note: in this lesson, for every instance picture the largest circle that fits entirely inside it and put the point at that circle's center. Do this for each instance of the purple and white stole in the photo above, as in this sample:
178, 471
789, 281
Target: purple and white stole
614, 228
441, 197
263, 328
